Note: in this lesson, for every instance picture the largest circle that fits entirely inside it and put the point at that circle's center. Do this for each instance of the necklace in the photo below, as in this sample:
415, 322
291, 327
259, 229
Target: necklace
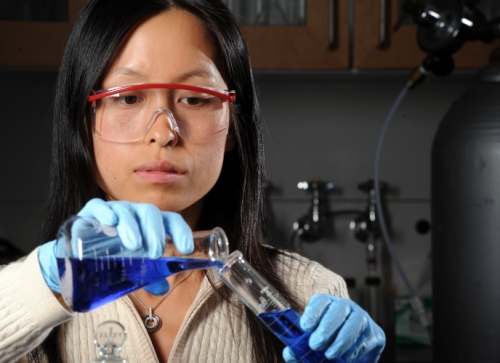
151, 321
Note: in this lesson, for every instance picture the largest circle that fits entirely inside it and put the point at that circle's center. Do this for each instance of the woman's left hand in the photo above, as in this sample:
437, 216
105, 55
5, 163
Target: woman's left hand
342, 329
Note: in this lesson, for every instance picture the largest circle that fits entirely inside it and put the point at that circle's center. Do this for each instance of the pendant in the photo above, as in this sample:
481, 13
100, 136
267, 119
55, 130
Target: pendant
152, 322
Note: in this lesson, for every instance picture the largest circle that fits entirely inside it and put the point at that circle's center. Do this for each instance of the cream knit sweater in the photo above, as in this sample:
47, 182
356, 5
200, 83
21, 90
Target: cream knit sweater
212, 331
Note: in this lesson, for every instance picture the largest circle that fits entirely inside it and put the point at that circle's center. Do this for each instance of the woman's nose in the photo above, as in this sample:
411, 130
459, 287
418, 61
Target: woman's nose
162, 128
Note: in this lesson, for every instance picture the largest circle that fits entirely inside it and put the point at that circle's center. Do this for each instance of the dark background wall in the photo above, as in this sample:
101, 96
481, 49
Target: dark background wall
26, 96
326, 125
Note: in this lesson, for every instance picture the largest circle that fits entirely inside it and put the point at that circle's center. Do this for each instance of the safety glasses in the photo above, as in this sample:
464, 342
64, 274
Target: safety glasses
127, 113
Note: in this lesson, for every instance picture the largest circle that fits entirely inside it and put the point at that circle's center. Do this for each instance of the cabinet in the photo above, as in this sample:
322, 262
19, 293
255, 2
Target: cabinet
321, 42
36, 43
363, 38
324, 34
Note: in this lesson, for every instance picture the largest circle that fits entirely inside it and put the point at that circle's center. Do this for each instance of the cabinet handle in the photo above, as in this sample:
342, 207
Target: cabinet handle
384, 18
332, 24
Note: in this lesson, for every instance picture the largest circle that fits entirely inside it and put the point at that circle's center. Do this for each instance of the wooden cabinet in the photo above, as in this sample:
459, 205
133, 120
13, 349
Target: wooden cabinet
367, 42
401, 49
322, 43
36, 43
336, 34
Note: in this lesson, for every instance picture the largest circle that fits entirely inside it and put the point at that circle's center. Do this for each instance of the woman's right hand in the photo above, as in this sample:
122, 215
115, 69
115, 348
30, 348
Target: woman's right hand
138, 225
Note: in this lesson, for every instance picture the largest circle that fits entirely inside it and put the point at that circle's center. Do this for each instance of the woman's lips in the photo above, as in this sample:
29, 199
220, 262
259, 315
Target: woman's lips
160, 172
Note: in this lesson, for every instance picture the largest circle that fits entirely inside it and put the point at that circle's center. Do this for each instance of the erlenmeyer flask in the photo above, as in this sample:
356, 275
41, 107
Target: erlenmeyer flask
95, 268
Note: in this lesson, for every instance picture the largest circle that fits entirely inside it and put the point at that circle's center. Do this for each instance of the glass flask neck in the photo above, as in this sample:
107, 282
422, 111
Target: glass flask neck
250, 286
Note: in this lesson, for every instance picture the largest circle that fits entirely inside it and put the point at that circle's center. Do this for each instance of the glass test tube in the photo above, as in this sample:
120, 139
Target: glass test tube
267, 303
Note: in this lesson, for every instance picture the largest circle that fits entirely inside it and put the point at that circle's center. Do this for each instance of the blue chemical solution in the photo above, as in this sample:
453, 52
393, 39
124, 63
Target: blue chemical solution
285, 325
89, 283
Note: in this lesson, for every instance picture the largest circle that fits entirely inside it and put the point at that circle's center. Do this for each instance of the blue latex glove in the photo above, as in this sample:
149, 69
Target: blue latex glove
341, 328
137, 224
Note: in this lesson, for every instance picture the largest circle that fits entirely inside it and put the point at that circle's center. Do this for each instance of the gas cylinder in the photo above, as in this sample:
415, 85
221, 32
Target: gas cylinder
465, 195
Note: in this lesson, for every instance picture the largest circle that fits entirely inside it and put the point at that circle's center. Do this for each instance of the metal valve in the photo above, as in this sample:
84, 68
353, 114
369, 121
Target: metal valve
443, 28
367, 224
311, 226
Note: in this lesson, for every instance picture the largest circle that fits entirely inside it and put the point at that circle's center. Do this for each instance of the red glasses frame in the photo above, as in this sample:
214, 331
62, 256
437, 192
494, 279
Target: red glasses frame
226, 95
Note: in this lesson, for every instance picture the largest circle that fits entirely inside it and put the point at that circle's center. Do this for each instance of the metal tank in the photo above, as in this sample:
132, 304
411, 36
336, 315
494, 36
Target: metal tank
466, 226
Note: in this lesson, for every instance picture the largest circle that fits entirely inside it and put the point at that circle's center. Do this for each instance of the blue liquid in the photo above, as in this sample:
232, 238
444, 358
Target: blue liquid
285, 325
90, 283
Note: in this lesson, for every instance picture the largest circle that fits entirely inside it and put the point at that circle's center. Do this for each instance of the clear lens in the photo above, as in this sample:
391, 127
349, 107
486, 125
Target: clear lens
128, 116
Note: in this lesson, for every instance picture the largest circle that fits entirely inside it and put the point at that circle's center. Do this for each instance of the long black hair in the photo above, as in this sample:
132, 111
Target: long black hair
235, 203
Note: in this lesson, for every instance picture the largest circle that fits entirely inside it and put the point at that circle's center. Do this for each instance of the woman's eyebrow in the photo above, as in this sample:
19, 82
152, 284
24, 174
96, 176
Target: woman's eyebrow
198, 72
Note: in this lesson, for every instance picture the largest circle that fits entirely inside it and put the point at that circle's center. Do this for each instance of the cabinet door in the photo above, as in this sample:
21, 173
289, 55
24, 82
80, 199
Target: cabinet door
36, 43
377, 46
321, 42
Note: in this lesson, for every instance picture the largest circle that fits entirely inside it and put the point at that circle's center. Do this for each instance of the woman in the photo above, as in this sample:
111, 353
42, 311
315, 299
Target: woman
184, 152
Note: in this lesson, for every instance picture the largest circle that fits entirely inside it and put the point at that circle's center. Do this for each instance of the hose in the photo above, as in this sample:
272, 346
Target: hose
416, 302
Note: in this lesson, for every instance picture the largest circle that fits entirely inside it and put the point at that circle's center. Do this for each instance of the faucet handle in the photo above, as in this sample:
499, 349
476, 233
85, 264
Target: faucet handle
316, 184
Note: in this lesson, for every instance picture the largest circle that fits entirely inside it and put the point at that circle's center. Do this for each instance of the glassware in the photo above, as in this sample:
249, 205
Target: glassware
267, 303
109, 338
95, 268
